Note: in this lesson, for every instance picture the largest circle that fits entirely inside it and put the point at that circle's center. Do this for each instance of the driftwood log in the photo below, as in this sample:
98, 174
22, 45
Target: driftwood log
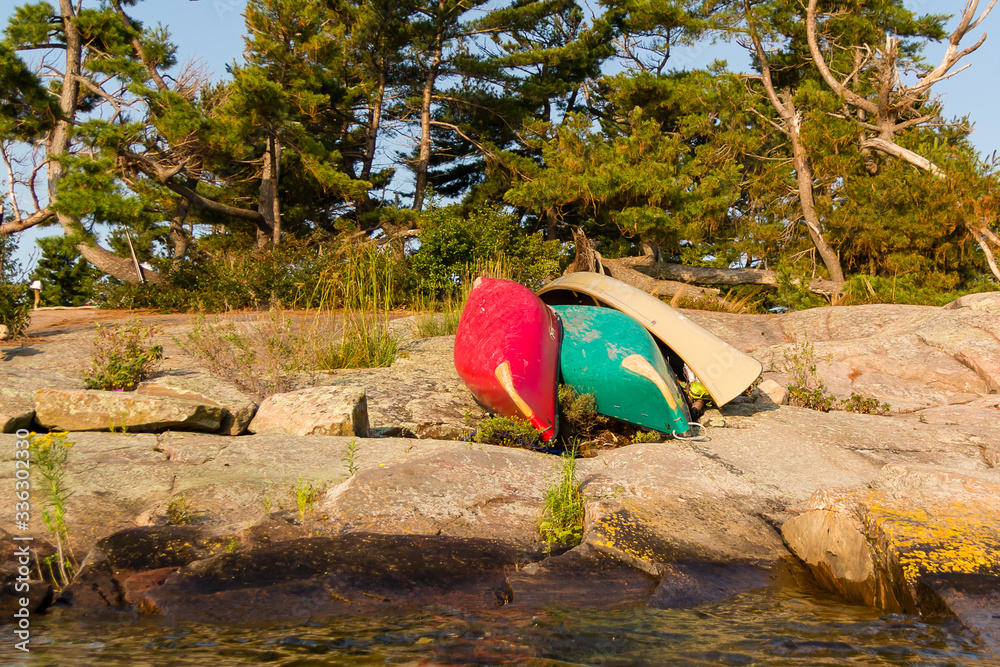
664, 279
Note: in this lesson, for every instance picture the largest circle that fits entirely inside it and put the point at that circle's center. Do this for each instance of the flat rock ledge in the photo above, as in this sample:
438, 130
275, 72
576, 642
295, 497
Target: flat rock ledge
92, 410
396, 522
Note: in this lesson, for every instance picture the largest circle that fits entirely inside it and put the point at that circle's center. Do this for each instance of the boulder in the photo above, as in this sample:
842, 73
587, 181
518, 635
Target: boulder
90, 410
239, 408
773, 392
11, 422
919, 540
337, 410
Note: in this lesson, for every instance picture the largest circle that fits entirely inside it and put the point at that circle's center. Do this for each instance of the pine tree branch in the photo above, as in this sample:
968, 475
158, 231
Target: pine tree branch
33, 220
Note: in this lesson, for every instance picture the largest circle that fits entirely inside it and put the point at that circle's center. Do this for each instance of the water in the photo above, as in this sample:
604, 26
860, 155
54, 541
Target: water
786, 626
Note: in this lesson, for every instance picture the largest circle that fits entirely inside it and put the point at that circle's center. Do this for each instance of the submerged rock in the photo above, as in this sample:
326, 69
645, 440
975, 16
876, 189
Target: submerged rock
582, 577
121, 555
335, 576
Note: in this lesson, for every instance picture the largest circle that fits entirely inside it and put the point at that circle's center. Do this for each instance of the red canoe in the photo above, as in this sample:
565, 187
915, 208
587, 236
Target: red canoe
507, 352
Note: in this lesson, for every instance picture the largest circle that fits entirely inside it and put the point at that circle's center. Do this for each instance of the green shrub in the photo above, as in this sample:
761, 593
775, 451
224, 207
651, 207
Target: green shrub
507, 432
922, 290
865, 405
122, 356
578, 418
452, 242
806, 389
295, 274
15, 307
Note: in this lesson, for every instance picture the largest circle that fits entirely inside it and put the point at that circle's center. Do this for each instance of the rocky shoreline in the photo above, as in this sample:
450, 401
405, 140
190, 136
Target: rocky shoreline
900, 512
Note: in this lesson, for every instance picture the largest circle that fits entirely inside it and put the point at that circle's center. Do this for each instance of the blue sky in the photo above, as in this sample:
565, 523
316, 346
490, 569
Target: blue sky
212, 30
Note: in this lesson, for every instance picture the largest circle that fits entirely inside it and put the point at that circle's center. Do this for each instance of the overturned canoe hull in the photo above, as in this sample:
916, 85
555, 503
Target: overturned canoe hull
725, 371
507, 352
611, 356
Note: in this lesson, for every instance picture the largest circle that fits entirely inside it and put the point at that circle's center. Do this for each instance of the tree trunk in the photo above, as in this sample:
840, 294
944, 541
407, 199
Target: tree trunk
664, 279
269, 229
704, 275
551, 224
791, 126
374, 124
178, 235
804, 177
424, 157
56, 145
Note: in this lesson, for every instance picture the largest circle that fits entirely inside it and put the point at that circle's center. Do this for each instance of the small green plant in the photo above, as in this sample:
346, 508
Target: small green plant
180, 511
232, 546
305, 495
562, 516
807, 389
646, 436
351, 457
267, 503
122, 357
122, 427
865, 405
50, 454
507, 432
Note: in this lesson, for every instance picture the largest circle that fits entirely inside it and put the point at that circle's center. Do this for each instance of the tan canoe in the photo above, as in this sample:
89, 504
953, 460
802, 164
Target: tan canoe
725, 371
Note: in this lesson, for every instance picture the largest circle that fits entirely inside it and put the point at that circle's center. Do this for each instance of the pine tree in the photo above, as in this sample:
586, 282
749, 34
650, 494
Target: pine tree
67, 278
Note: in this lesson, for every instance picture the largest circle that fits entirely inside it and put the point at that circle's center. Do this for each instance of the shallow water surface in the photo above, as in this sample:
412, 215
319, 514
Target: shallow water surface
786, 626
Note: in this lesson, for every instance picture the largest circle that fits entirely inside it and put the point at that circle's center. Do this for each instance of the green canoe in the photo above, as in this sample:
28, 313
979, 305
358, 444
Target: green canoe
608, 354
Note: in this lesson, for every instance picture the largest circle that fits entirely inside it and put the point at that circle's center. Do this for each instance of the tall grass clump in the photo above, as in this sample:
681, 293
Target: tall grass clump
563, 514
265, 356
367, 342
439, 319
